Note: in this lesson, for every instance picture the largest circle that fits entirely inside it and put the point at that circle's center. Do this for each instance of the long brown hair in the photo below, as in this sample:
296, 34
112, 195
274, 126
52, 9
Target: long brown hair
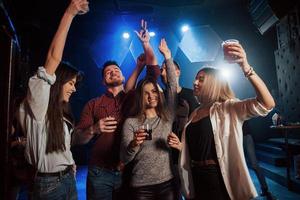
138, 109
57, 109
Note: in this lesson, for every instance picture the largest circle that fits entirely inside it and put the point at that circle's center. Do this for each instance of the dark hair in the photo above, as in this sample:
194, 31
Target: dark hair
57, 109
107, 63
138, 109
176, 64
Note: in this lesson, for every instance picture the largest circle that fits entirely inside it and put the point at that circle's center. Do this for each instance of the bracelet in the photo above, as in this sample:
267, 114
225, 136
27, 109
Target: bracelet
249, 73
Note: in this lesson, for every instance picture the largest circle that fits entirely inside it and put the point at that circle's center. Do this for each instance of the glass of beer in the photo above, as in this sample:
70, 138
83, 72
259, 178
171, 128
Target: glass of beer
225, 45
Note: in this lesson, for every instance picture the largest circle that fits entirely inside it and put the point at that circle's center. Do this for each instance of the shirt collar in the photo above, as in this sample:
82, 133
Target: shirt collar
109, 94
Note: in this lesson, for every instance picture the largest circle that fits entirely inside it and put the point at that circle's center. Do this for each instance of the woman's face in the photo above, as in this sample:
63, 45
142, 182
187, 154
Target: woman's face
150, 96
67, 89
198, 82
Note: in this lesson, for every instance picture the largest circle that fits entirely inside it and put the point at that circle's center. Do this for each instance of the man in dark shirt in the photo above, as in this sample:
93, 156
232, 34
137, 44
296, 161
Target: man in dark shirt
186, 101
185, 104
102, 119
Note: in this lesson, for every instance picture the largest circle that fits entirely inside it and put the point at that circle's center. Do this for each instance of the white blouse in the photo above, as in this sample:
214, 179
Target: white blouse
33, 122
227, 119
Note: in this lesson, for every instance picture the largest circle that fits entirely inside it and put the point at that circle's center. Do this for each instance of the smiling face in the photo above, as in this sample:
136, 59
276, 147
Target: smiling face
67, 89
198, 83
113, 76
150, 96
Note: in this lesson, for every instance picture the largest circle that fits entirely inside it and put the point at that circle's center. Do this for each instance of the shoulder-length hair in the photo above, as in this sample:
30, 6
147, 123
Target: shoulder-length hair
215, 88
57, 110
139, 107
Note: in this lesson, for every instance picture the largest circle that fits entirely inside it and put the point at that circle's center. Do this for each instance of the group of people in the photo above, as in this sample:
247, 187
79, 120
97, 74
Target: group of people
162, 140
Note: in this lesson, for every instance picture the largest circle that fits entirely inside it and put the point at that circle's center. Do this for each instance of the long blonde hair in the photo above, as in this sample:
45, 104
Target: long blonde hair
215, 88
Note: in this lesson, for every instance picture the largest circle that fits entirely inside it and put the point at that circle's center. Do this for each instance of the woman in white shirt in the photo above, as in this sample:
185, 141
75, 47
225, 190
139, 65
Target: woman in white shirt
46, 119
212, 159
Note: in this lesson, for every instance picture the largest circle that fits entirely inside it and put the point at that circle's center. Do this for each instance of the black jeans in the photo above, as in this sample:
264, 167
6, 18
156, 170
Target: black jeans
209, 184
163, 191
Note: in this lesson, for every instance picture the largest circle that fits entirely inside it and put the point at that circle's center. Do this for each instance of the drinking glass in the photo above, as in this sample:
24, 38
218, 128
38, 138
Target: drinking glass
225, 45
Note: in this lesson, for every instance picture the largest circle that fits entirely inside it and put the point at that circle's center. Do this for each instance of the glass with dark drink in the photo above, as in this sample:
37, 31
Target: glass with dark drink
148, 130
225, 46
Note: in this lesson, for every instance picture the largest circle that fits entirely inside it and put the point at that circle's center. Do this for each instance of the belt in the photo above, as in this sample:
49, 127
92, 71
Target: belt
201, 163
58, 174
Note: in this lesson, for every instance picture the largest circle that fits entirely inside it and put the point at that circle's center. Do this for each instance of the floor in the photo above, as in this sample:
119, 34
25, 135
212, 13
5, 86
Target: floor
282, 193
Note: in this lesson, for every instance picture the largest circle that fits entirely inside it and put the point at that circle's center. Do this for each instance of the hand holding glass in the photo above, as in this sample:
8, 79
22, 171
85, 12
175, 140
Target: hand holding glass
84, 8
225, 45
148, 129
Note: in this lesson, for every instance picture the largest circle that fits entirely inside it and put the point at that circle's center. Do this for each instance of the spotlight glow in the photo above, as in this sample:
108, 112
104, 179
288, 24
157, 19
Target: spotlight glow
152, 34
226, 73
126, 35
184, 28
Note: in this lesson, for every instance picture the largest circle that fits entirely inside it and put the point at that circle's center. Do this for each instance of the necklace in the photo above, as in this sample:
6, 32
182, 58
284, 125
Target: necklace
154, 124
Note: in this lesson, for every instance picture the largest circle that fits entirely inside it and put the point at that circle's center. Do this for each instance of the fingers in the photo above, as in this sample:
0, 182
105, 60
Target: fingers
139, 137
173, 139
108, 125
142, 57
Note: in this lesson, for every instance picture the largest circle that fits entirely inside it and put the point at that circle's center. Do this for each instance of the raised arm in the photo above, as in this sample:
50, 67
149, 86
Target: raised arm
55, 51
140, 64
170, 68
144, 37
262, 92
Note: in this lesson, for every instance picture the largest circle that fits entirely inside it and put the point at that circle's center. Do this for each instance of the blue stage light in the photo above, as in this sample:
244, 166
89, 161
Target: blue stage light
126, 35
152, 34
184, 28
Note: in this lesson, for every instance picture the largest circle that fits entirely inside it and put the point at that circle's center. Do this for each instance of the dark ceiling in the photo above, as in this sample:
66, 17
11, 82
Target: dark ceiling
37, 14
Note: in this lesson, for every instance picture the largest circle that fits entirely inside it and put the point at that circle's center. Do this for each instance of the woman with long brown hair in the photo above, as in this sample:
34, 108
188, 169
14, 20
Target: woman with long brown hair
148, 148
212, 158
46, 119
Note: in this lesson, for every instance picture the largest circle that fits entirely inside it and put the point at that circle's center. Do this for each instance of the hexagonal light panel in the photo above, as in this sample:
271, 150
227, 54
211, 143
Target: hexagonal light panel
200, 44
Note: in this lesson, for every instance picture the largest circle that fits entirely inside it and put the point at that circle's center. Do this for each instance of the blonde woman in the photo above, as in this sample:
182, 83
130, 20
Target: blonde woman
212, 163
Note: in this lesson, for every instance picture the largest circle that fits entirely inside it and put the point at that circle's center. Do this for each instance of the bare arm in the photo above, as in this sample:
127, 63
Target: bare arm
262, 92
144, 37
56, 48
140, 64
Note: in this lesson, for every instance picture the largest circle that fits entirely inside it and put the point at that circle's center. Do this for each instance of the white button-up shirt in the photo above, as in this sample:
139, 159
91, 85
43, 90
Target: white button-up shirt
33, 121
227, 119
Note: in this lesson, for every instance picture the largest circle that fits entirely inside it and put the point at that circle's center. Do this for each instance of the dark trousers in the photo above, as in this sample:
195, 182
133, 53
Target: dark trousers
163, 191
249, 149
209, 184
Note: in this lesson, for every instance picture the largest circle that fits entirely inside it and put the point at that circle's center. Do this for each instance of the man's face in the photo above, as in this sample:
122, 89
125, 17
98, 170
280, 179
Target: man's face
164, 73
113, 76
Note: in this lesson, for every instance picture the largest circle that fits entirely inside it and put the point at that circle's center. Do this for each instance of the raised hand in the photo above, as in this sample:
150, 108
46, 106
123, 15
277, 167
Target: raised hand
164, 49
78, 7
174, 141
143, 34
237, 51
141, 60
